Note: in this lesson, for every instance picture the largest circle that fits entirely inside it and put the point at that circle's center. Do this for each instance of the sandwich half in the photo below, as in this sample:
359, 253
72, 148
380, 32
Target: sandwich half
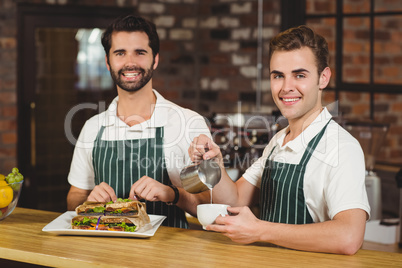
106, 223
122, 207
90, 208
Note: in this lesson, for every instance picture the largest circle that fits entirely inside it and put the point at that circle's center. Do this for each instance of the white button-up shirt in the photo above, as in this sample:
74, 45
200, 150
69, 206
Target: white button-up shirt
334, 180
181, 126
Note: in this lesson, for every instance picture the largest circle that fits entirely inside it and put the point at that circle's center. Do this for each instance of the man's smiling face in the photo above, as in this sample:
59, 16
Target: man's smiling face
295, 84
131, 62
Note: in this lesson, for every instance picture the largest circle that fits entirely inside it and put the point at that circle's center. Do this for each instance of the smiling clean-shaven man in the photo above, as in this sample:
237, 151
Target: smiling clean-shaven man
310, 181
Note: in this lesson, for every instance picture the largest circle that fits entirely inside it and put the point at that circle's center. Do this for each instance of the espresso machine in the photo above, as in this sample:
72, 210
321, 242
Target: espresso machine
370, 136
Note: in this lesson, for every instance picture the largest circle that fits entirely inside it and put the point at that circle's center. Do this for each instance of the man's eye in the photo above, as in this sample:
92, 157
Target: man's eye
300, 76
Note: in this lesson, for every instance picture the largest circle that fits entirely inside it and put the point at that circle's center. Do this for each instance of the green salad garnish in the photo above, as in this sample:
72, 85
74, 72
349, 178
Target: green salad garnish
85, 221
119, 200
99, 209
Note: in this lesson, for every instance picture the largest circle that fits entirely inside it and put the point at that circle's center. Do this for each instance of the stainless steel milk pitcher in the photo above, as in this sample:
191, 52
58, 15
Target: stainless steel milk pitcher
200, 177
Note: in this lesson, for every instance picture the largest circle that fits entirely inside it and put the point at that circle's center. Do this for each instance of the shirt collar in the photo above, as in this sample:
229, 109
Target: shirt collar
159, 116
301, 141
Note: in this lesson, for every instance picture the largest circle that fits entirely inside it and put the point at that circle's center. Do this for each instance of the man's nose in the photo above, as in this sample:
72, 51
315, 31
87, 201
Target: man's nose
131, 60
288, 85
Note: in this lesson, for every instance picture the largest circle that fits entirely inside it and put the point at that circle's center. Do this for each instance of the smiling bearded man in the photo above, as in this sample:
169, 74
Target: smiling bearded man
137, 148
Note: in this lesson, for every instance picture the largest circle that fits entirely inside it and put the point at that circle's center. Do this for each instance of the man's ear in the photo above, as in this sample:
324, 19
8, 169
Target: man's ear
156, 61
325, 76
107, 63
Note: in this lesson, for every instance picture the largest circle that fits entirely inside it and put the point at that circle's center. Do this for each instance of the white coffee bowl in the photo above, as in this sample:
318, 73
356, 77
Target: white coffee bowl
207, 213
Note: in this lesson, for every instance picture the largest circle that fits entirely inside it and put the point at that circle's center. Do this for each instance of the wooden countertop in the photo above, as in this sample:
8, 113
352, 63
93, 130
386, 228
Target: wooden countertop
22, 239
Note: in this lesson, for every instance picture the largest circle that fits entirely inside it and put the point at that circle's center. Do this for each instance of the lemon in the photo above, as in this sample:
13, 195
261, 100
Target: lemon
6, 195
2, 177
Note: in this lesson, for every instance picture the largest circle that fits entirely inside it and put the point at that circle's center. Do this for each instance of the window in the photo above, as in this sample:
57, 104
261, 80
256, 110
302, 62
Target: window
364, 39
366, 61
90, 67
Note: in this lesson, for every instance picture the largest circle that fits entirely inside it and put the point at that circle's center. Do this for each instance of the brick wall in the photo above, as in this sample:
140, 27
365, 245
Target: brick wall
208, 60
209, 53
356, 60
8, 83
208, 56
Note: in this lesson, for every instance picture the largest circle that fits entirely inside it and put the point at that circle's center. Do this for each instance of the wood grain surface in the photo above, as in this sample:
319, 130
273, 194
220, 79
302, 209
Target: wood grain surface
22, 239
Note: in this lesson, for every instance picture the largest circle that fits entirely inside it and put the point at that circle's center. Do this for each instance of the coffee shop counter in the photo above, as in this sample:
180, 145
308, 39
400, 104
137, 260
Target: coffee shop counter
22, 240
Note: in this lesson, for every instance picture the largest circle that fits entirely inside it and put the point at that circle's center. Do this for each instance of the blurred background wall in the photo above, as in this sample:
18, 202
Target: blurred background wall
213, 60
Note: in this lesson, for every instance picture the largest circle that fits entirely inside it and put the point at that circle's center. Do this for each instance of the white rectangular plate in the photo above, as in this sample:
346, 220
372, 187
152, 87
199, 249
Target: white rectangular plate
62, 226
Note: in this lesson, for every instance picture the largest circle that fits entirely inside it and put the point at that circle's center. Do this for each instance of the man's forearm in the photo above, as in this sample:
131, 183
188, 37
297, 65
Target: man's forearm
235, 194
75, 198
188, 202
341, 236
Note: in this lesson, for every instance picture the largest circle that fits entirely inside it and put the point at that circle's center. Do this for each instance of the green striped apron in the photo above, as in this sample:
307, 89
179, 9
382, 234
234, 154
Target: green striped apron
121, 163
281, 195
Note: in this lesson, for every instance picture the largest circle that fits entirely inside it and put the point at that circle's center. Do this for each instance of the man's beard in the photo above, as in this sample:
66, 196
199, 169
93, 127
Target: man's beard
132, 86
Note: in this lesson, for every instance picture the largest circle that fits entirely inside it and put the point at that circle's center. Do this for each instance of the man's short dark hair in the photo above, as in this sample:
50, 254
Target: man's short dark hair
131, 23
299, 37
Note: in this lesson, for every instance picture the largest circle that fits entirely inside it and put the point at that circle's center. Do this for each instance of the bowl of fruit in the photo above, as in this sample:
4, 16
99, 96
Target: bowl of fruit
10, 190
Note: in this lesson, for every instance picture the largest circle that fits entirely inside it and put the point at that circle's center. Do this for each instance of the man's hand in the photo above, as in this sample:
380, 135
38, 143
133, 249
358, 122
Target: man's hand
102, 193
151, 190
241, 228
342, 235
203, 148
